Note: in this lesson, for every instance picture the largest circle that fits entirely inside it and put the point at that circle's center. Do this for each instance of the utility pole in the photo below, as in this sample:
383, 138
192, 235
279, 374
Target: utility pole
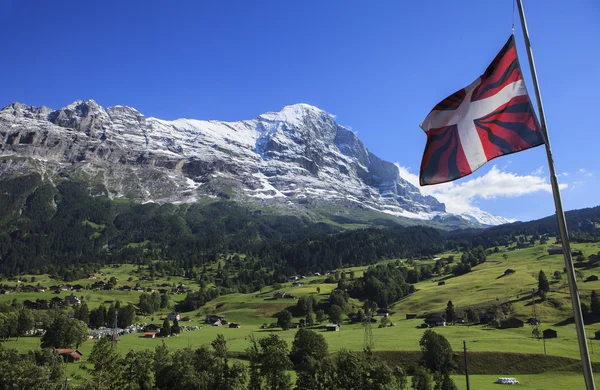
369, 344
466, 366
586, 363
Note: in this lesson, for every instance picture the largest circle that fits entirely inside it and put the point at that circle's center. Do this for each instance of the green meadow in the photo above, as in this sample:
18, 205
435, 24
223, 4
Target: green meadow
483, 286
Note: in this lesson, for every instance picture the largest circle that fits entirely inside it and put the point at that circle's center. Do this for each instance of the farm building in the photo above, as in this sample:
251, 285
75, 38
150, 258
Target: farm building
441, 283
591, 278
435, 321
235, 325
511, 323
533, 321
550, 334
555, 251
70, 355
212, 318
383, 312
332, 327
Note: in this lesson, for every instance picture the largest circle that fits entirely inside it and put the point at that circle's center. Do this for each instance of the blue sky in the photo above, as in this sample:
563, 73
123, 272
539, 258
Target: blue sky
379, 67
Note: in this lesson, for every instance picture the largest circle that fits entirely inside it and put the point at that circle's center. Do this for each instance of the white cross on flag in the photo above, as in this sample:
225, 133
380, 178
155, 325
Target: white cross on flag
491, 117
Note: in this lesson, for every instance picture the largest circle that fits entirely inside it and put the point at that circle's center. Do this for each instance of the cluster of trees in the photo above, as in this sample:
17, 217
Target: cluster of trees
383, 284
39, 369
269, 361
468, 260
150, 303
122, 316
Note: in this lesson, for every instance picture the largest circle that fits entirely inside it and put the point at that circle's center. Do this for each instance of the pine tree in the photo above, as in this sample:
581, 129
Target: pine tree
166, 329
450, 313
175, 328
543, 284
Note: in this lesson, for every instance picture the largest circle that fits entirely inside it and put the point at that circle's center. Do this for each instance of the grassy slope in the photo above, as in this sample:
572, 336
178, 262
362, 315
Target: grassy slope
479, 286
483, 285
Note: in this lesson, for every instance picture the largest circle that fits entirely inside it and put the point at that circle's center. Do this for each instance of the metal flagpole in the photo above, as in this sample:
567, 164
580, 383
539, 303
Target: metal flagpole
560, 215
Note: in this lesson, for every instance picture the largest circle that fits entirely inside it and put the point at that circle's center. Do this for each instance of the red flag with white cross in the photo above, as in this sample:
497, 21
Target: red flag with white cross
491, 117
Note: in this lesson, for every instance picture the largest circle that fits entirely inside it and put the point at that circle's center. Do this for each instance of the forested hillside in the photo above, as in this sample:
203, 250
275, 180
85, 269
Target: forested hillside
45, 227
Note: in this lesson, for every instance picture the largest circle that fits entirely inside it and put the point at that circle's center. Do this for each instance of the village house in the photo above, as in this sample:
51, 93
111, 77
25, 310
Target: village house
4, 292
152, 328
125, 288
298, 284
57, 302
73, 300
99, 285
332, 327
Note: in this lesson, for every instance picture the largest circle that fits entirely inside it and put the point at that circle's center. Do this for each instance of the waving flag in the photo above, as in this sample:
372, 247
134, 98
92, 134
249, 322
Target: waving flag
491, 117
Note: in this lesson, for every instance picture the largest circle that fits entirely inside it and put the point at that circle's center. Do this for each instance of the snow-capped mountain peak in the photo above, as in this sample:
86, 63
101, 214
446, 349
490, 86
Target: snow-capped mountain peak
298, 157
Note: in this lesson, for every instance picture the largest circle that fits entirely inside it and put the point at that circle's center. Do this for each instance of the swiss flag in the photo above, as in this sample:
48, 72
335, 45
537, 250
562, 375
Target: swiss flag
491, 117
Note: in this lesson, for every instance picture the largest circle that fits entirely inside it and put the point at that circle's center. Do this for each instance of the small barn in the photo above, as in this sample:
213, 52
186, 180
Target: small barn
511, 323
212, 318
383, 312
533, 321
235, 325
555, 251
550, 334
70, 355
591, 278
332, 327
441, 283
435, 321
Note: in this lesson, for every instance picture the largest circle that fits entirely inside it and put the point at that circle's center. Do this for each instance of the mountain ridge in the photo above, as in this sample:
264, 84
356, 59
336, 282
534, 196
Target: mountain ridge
296, 157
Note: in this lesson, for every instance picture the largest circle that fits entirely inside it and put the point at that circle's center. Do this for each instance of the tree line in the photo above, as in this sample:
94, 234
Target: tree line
209, 367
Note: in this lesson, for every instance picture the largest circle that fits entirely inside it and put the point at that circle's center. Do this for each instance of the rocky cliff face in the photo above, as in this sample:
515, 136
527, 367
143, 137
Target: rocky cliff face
296, 157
